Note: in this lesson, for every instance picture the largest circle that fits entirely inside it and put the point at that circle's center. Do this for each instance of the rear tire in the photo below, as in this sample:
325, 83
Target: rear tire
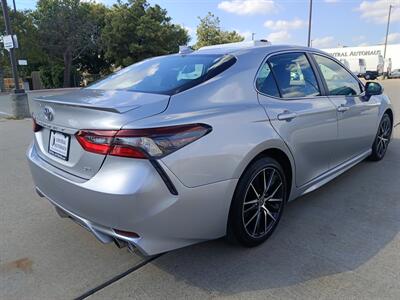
382, 138
258, 202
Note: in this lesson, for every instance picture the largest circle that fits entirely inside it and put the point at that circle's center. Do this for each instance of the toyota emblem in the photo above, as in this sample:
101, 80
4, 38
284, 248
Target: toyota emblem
48, 113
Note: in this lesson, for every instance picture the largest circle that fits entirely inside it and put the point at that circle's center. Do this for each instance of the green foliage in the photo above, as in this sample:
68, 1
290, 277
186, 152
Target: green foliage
209, 32
23, 26
62, 38
66, 29
92, 59
52, 75
135, 30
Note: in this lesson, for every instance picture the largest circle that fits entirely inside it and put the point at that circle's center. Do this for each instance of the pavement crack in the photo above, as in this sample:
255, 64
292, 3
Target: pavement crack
117, 277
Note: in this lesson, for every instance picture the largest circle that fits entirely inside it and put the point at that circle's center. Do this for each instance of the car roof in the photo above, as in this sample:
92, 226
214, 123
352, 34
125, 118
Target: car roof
237, 49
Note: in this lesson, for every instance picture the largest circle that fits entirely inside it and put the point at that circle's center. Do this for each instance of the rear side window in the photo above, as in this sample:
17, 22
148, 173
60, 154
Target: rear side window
294, 75
265, 82
338, 79
167, 74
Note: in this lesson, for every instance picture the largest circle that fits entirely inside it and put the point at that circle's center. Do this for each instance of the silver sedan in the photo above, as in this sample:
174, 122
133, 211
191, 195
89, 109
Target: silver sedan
179, 149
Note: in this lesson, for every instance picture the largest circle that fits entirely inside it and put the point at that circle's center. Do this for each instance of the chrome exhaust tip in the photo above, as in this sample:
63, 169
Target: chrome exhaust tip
39, 192
61, 213
120, 243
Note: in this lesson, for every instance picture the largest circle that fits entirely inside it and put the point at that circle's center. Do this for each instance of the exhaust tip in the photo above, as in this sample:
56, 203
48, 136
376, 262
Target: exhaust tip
120, 243
40, 194
126, 234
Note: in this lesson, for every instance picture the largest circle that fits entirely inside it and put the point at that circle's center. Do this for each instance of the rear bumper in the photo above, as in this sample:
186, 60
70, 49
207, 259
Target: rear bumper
130, 195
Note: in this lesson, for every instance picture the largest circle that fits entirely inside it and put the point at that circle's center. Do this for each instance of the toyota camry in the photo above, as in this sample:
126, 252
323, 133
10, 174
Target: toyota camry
183, 148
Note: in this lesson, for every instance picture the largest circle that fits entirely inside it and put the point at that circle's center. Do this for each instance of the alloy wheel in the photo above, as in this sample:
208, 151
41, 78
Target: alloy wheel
263, 202
383, 137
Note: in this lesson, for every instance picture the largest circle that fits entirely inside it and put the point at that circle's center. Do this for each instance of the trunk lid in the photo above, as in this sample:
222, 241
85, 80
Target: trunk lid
87, 109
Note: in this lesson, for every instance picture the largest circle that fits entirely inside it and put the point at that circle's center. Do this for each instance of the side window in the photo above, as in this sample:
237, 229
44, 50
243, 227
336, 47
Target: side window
338, 80
294, 75
265, 82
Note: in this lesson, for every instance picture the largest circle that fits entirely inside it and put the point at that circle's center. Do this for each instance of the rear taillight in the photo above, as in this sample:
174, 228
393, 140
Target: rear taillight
35, 126
141, 143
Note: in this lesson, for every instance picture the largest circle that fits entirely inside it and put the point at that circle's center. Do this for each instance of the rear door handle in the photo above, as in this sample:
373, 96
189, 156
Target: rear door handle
342, 108
287, 116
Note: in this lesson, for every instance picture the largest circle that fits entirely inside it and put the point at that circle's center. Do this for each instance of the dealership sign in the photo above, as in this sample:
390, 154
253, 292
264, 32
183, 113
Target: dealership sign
356, 53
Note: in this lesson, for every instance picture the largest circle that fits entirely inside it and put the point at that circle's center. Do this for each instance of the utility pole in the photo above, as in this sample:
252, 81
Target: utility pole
12, 50
309, 25
19, 99
252, 36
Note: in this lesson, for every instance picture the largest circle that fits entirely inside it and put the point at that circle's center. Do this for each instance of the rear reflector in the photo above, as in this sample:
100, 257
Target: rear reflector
141, 143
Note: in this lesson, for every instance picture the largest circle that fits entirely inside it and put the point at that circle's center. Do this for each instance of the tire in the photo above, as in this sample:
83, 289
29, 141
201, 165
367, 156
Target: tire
382, 138
367, 77
258, 203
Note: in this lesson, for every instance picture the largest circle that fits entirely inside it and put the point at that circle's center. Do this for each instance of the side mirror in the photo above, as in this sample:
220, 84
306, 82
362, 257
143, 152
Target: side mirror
373, 88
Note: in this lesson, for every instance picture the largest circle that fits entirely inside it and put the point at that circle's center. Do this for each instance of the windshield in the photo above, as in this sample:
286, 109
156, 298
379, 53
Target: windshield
166, 74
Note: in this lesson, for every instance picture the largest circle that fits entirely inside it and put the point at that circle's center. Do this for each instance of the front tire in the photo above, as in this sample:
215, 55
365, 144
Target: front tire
258, 202
382, 138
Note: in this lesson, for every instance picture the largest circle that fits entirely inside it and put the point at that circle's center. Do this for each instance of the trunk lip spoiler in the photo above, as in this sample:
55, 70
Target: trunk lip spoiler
119, 110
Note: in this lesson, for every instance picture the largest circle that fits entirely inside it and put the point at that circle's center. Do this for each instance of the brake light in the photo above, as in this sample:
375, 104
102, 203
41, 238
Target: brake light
96, 141
35, 126
141, 143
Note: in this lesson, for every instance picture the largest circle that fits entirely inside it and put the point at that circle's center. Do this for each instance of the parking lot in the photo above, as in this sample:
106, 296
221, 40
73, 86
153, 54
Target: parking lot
339, 242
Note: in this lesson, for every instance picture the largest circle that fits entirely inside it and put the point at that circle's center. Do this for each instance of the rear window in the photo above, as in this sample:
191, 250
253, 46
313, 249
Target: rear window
166, 74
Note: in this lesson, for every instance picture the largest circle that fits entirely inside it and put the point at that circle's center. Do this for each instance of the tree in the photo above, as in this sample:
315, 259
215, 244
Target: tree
135, 30
66, 29
209, 32
92, 60
23, 26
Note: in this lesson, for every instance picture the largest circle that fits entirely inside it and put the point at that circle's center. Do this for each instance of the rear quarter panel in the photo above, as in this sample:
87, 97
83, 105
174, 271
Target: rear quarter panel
241, 128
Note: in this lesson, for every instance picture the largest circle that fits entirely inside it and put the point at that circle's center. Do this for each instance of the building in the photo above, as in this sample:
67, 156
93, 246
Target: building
361, 60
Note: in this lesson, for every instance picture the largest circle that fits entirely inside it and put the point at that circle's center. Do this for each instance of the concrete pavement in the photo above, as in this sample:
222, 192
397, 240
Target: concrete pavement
341, 241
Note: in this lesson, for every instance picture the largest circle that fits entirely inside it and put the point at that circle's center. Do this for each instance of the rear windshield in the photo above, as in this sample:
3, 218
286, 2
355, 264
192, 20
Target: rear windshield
166, 74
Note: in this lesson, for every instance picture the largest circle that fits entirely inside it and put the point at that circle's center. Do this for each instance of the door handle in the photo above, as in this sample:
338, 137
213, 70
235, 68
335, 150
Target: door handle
287, 116
342, 108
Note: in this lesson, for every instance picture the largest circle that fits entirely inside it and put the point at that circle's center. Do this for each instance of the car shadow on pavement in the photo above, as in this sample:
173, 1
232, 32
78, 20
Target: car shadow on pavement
335, 229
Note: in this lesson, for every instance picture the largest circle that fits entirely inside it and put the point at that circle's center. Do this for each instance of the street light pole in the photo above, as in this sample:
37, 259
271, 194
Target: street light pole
12, 50
387, 31
309, 25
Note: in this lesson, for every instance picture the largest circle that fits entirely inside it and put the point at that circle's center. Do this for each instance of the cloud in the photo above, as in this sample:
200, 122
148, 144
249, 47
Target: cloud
246, 34
377, 11
248, 7
191, 31
94, 1
324, 42
393, 37
359, 38
283, 25
279, 37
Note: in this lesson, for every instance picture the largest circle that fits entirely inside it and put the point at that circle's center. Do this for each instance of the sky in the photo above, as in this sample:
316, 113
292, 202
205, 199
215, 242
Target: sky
334, 23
